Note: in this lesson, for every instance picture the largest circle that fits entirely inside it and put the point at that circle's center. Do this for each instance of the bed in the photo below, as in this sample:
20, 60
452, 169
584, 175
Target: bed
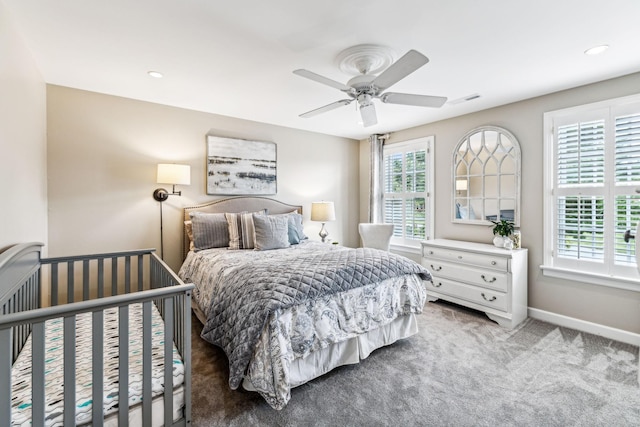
84, 329
287, 313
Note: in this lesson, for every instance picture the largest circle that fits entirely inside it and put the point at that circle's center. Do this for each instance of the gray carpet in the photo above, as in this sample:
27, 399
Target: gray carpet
461, 369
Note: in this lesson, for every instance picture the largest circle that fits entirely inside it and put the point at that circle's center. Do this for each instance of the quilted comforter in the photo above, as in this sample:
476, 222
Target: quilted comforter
247, 292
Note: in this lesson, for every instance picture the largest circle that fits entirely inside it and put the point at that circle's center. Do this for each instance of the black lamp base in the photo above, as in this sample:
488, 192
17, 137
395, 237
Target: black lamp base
161, 194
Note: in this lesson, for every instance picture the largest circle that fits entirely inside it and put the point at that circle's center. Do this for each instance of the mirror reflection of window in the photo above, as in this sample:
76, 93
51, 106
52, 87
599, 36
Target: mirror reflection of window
486, 177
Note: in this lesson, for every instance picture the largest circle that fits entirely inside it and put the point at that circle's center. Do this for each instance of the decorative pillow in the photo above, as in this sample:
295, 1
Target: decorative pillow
292, 232
294, 226
188, 227
271, 232
241, 229
297, 220
210, 230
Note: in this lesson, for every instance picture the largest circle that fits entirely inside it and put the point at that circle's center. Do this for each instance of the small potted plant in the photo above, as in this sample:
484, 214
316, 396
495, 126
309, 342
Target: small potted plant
502, 230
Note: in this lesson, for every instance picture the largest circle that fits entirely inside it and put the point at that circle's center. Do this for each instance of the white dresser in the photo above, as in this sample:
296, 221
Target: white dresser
479, 276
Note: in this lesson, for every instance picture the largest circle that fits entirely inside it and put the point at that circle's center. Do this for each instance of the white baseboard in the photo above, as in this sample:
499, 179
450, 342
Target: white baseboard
584, 326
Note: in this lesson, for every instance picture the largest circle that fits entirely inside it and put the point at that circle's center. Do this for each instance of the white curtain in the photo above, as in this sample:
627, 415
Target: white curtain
376, 181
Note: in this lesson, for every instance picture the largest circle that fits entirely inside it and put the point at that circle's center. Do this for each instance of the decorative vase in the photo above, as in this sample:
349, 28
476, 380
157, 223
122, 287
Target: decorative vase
508, 243
498, 242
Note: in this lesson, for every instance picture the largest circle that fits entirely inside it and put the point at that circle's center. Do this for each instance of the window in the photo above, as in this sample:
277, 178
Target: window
408, 180
592, 192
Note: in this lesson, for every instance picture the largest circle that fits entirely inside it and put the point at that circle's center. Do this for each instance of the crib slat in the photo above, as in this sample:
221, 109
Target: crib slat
146, 363
70, 284
127, 274
54, 284
11, 308
114, 276
34, 291
186, 354
100, 278
85, 280
168, 361
140, 272
123, 366
69, 392
153, 273
5, 376
97, 367
37, 374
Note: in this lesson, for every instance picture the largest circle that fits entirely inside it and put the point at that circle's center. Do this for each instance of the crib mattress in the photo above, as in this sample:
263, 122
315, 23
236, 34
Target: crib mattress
54, 373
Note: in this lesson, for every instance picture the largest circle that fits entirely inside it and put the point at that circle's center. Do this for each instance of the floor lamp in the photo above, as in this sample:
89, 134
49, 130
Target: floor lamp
170, 174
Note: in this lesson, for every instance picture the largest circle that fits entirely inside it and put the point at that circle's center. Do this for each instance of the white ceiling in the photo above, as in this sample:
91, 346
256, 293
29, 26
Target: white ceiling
236, 57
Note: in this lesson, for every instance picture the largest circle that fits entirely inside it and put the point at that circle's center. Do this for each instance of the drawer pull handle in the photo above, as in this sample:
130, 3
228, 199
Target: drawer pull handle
436, 268
493, 298
493, 263
493, 279
430, 252
436, 286
459, 256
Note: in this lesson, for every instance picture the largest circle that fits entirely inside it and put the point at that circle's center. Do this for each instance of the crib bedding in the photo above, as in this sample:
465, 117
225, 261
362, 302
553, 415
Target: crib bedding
21, 370
300, 331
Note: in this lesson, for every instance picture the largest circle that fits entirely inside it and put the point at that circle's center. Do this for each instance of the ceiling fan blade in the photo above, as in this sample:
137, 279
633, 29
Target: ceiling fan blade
400, 69
320, 79
410, 99
326, 108
368, 114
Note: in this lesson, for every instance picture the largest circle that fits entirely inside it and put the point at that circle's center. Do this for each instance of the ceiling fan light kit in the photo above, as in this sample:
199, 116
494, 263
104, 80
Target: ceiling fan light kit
364, 61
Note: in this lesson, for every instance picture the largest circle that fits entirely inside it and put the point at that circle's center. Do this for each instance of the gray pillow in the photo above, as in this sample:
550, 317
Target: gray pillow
271, 231
210, 230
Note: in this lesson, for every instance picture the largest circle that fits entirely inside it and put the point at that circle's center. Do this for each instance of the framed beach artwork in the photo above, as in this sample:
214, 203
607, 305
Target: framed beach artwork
238, 166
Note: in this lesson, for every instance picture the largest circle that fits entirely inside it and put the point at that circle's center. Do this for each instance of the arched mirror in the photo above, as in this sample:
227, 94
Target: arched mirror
486, 177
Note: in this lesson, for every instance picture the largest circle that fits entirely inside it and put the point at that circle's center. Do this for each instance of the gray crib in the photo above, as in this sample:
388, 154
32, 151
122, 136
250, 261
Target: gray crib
132, 287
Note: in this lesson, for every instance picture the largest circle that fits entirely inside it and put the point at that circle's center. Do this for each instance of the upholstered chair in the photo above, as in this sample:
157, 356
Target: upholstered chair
375, 235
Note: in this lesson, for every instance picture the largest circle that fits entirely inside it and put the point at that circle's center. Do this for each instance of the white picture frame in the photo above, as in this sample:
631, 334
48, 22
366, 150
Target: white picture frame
241, 167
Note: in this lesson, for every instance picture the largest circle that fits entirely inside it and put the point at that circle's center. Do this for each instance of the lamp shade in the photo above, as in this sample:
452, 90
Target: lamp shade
174, 174
323, 211
461, 185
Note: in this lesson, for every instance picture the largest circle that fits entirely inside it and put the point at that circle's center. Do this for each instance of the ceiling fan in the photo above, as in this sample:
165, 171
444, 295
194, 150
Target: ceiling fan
366, 60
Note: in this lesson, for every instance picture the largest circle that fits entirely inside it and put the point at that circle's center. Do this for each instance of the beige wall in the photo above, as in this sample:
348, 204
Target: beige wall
610, 307
23, 147
103, 152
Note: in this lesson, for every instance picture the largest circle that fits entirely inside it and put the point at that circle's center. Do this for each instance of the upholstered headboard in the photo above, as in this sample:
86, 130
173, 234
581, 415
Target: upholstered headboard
235, 205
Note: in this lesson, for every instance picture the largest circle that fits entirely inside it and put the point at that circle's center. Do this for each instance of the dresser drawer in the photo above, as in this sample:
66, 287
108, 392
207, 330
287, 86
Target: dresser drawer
485, 277
484, 297
467, 258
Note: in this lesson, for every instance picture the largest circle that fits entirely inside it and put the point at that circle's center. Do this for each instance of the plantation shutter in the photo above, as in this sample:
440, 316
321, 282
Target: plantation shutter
596, 190
580, 167
627, 178
627, 154
581, 153
405, 191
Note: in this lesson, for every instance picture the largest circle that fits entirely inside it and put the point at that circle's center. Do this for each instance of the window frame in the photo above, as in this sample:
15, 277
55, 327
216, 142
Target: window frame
426, 143
605, 273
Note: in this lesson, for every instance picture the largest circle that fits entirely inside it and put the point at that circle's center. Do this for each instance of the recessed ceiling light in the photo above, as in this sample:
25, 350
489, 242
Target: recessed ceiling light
156, 74
596, 49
